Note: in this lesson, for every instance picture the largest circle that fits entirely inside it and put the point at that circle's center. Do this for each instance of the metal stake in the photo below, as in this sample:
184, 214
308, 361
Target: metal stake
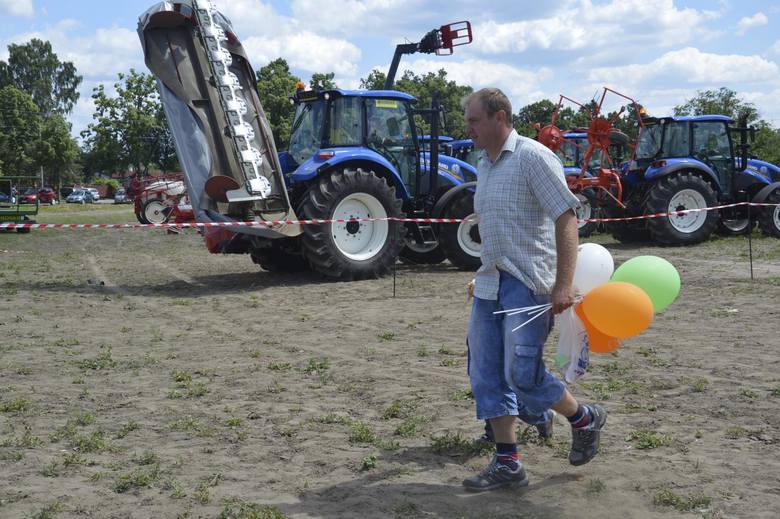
750, 241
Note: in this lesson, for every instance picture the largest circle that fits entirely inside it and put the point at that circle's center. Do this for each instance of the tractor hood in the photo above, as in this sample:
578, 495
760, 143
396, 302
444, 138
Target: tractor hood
223, 139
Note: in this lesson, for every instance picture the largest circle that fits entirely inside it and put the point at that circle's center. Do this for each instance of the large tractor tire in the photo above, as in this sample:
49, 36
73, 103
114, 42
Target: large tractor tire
415, 254
769, 217
461, 242
586, 210
154, 210
735, 226
676, 193
352, 250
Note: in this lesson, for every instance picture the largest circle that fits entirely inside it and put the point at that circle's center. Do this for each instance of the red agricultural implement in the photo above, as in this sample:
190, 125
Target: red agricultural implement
160, 199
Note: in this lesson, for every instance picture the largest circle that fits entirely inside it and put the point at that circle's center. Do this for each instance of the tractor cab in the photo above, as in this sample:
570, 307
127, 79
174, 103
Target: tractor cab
698, 141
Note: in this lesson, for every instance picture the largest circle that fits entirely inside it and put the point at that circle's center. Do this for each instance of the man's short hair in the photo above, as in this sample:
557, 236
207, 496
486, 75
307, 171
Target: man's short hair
492, 100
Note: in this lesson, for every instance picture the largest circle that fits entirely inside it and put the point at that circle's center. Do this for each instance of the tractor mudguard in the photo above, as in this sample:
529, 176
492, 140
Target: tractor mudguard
772, 170
675, 165
453, 169
219, 128
343, 157
744, 180
764, 193
449, 196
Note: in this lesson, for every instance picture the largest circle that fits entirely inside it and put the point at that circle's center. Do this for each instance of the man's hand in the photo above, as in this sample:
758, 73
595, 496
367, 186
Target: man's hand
470, 289
562, 297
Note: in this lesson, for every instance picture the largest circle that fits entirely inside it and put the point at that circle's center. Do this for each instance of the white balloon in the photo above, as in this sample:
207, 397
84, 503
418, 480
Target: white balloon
594, 267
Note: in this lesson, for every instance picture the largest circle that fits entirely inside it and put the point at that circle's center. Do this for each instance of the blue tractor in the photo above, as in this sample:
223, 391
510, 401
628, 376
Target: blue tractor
354, 156
692, 162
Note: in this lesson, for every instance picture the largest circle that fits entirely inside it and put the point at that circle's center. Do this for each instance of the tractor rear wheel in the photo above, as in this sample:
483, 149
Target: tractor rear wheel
677, 193
155, 211
461, 242
586, 210
769, 217
352, 250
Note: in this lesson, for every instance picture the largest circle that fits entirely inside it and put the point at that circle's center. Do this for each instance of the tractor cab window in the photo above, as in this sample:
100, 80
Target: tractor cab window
389, 132
306, 130
677, 140
346, 122
568, 153
664, 140
710, 139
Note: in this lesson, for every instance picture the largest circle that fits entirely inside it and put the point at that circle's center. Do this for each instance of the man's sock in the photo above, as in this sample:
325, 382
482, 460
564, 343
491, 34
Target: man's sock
507, 455
581, 418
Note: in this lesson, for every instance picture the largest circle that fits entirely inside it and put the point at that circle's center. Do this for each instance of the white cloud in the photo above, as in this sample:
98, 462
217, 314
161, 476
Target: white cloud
775, 47
581, 24
749, 22
23, 8
307, 51
344, 16
690, 65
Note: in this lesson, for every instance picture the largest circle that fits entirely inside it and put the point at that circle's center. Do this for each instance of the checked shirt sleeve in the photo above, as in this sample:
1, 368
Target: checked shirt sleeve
548, 185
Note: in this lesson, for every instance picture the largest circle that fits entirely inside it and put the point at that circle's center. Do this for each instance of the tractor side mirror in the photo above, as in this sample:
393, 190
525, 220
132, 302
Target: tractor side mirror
393, 128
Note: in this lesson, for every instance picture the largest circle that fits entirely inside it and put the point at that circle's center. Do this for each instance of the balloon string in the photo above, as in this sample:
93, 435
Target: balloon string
531, 319
520, 309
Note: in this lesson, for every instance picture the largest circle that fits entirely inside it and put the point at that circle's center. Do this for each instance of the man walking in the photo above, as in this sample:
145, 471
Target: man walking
529, 238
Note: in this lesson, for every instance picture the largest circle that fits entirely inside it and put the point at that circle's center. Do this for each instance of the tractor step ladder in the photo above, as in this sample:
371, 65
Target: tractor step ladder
425, 230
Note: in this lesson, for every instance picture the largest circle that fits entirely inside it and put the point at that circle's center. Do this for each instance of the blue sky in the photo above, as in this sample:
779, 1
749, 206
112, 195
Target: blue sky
659, 52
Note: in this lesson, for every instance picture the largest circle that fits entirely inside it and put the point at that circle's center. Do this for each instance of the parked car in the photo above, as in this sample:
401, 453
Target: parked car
30, 196
95, 193
80, 196
120, 197
65, 192
46, 195
5, 198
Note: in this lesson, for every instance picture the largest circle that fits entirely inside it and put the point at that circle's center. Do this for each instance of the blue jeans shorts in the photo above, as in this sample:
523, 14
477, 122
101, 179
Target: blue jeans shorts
506, 369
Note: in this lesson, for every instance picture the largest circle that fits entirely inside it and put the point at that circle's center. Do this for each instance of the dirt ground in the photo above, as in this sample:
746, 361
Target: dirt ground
142, 377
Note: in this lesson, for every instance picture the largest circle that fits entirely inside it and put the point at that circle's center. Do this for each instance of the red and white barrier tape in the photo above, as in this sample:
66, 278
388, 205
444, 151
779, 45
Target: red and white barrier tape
275, 223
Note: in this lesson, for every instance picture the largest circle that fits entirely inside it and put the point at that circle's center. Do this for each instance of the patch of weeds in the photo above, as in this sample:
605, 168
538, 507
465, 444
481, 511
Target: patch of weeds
596, 486
141, 477
613, 368
48, 511
52, 470
460, 394
95, 442
26, 441
647, 351
279, 366
126, 429
97, 476
362, 433
197, 390
748, 393
275, 388
176, 488
443, 350
386, 336
406, 509
332, 418
775, 391
148, 457
317, 366
186, 424
238, 509
368, 463
422, 350
202, 494
255, 354
84, 418
454, 444
234, 421
647, 439
23, 370
666, 497
181, 378
700, 385
735, 433
79, 380
74, 458
411, 426
66, 343
449, 362
17, 405
102, 361
399, 409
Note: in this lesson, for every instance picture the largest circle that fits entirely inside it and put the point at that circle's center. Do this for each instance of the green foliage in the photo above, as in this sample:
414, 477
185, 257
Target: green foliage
275, 85
112, 184
647, 439
667, 497
19, 125
237, 509
58, 153
723, 101
129, 129
322, 81
34, 68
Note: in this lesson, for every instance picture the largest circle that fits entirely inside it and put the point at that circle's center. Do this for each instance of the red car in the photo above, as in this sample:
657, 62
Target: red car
30, 196
47, 195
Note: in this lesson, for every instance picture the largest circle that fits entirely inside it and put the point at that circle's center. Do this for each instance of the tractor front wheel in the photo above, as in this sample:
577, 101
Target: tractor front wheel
415, 254
585, 211
769, 217
677, 193
461, 242
352, 250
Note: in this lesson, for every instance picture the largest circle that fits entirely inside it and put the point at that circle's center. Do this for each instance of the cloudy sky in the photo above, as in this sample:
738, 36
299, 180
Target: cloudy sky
658, 51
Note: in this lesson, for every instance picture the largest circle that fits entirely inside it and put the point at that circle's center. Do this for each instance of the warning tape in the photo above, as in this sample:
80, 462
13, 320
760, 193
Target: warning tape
277, 223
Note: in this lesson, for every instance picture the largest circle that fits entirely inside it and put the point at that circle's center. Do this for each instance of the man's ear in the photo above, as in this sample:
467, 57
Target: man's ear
501, 116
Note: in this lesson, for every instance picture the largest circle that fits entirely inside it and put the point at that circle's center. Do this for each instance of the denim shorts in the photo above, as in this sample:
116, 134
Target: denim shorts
506, 369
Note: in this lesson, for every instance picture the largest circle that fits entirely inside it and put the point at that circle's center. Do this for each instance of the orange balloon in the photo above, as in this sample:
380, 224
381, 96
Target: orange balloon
618, 309
597, 341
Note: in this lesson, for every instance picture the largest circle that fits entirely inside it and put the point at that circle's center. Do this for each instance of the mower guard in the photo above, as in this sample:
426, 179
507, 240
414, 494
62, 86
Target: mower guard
177, 56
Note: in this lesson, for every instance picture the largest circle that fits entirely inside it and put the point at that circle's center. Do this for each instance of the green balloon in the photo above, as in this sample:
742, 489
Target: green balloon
656, 276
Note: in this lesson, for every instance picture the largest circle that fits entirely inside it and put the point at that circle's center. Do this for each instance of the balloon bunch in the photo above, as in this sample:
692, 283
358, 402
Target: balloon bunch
620, 304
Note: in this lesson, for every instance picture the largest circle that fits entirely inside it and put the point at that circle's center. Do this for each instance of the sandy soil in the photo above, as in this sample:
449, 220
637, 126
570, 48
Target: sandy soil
142, 377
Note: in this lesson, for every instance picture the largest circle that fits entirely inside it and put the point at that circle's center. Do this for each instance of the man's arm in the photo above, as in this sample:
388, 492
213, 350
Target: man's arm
566, 240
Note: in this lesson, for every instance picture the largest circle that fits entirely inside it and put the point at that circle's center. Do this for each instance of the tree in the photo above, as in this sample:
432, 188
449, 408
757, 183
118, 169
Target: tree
20, 123
34, 68
720, 102
57, 152
374, 81
275, 85
322, 81
129, 128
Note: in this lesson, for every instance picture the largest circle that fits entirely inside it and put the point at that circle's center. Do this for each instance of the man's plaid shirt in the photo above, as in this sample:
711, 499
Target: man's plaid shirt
518, 199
